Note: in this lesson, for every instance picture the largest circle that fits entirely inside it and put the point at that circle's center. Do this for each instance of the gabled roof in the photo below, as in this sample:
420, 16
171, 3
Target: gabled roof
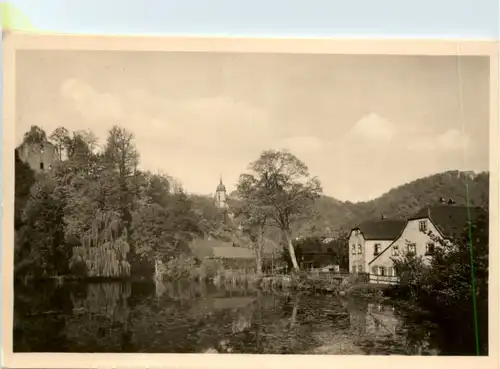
450, 220
221, 187
230, 252
212, 248
385, 229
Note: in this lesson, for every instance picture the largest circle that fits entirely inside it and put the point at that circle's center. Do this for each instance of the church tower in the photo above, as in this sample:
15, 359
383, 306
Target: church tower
221, 196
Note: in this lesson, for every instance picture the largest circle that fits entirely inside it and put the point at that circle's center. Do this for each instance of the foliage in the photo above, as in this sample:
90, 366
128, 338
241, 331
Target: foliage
444, 286
35, 135
61, 139
321, 252
411, 270
39, 240
104, 247
212, 221
163, 232
78, 217
24, 179
278, 189
253, 220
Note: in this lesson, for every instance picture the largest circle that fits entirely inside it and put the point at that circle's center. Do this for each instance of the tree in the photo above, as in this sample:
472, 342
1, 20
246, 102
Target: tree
41, 237
120, 154
61, 139
253, 222
24, 179
279, 186
89, 138
35, 135
104, 247
453, 286
163, 230
158, 189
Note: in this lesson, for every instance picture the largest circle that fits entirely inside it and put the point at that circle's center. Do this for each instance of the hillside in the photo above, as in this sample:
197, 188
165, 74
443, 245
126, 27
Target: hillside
400, 202
332, 215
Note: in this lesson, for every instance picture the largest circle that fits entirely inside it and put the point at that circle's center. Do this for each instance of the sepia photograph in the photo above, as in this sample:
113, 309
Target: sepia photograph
246, 200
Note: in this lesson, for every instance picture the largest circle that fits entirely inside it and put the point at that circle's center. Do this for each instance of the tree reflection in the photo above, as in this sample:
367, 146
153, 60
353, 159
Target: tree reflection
197, 317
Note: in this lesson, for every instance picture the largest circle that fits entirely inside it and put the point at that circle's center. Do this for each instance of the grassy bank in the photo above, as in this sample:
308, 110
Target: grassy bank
347, 286
306, 282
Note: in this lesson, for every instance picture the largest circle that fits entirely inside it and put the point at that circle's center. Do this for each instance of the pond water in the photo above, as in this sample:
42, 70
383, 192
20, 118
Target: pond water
198, 317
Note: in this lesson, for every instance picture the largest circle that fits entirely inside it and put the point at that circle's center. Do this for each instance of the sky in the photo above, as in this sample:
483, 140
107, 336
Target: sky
363, 124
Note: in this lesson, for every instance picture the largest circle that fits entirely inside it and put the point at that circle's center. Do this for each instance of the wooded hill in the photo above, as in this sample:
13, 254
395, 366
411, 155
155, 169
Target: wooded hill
332, 216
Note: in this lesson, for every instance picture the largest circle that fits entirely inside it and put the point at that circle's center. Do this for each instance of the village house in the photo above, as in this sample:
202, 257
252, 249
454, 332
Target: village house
321, 255
369, 239
419, 236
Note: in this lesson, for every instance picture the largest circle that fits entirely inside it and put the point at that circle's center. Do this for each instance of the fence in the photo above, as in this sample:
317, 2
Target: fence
383, 279
328, 276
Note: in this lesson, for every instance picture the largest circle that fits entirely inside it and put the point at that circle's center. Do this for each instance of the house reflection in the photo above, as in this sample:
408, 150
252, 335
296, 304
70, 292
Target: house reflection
371, 322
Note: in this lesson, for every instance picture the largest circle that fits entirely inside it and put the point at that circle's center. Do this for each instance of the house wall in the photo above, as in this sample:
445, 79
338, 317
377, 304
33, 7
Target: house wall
356, 242
221, 199
370, 250
410, 235
364, 254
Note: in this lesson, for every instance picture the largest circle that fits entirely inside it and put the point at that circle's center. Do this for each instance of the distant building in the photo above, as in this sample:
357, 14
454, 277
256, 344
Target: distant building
40, 156
419, 236
230, 255
221, 196
320, 256
369, 239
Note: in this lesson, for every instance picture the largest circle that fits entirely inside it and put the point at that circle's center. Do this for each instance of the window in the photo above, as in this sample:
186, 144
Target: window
360, 251
374, 270
41, 166
390, 271
329, 249
395, 250
354, 249
412, 248
429, 249
360, 268
376, 251
422, 226
354, 268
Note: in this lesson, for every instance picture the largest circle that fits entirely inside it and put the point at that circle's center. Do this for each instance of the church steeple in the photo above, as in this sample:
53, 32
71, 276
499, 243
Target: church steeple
220, 195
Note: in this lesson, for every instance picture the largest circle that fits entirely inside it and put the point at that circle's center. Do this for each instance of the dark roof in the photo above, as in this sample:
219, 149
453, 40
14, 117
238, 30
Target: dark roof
450, 220
221, 187
230, 252
385, 229
203, 248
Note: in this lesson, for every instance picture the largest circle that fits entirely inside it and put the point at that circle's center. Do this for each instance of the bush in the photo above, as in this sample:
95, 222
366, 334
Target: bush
444, 288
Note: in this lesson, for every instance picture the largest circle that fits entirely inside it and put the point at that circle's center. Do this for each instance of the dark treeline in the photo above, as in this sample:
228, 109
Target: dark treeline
95, 214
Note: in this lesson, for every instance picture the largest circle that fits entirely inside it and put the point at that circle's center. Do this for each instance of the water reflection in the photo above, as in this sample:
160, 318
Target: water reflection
197, 317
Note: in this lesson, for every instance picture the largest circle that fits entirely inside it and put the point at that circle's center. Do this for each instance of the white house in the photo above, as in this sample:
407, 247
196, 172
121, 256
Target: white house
369, 239
419, 236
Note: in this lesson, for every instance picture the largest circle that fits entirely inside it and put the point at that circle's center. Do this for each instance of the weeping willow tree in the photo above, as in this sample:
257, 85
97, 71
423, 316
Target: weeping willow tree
104, 248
